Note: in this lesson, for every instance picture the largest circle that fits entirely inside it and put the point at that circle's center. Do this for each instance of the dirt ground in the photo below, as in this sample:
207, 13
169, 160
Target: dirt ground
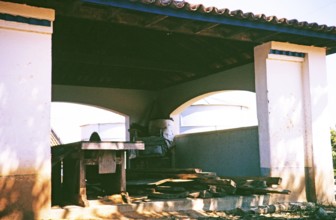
277, 212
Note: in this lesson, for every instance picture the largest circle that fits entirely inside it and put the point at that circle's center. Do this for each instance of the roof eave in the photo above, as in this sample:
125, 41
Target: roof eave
215, 18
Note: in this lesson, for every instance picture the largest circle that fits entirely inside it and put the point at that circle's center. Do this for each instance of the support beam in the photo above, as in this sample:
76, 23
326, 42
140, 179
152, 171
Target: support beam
294, 137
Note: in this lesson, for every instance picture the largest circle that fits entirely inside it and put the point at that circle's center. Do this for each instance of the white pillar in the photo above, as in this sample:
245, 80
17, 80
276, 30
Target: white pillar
25, 96
294, 135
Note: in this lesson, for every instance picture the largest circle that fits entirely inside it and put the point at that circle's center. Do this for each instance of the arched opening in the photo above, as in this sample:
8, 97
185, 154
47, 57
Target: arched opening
73, 122
218, 131
217, 111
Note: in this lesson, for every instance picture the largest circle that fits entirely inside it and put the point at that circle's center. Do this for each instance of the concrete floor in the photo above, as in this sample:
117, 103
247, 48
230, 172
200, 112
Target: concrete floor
154, 209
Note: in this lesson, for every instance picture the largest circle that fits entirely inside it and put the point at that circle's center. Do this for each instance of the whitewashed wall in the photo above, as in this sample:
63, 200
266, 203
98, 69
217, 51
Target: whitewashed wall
25, 95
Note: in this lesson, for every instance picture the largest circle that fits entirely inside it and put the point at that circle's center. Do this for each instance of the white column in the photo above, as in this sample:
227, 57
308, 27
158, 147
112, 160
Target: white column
294, 136
25, 96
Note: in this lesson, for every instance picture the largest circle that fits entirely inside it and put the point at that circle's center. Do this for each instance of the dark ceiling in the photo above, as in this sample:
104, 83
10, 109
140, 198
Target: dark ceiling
109, 46
100, 54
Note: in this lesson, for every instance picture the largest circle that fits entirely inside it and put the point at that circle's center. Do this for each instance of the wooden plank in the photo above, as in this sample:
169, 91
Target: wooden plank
107, 162
159, 182
112, 145
103, 145
251, 190
240, 180
168, 170
228, 185
218, 181
158, 175
146, 182
170, 189
159, 195
206, 175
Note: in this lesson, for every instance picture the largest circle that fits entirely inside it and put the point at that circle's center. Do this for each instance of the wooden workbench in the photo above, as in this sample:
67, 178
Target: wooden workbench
74, 157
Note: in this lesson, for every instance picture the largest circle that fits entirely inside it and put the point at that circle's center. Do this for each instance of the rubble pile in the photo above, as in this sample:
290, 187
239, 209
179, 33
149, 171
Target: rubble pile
193, 183
299, 211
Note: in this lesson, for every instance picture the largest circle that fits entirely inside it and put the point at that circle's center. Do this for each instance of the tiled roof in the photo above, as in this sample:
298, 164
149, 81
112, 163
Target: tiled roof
238, 14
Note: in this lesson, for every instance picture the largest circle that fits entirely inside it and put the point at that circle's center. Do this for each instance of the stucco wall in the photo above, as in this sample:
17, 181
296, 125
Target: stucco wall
133, 103
140, 105
239, 78
233, 152
25, 94
292, 99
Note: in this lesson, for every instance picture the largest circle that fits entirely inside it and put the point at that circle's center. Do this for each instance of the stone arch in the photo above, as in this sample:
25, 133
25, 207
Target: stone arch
88, 106
93, 105
204, 111
133, 103
239, 78
186, 104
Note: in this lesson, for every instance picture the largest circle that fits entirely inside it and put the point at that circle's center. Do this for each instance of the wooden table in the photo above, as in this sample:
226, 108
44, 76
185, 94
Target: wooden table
75, 156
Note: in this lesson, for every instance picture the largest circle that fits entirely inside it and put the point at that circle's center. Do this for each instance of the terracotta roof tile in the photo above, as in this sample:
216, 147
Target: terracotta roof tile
239, 14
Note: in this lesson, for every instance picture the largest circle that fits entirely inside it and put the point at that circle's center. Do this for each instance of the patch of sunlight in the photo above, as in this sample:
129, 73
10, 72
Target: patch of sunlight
9, 161
67, 119
42, 164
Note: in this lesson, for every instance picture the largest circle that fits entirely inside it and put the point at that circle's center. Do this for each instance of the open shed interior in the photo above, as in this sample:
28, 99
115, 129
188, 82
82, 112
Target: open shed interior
155, 45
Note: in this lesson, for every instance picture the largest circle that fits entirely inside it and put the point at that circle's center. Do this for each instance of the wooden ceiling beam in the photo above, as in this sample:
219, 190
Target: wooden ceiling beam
207, 28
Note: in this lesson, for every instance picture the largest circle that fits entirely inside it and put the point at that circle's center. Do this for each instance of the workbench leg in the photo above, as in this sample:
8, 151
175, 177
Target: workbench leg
82, 200
122, 172
56, 182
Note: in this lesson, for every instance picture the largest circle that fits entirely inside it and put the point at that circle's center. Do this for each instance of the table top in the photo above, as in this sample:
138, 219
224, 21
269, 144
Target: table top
104, 145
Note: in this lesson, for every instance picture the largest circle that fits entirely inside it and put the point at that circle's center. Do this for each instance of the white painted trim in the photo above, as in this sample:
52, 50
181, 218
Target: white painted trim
294, 47
12, 25
285, 58
27, 11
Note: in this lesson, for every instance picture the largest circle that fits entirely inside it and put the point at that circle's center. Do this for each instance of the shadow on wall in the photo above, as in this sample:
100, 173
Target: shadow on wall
323, 181
293, 181
22, 196
302, 189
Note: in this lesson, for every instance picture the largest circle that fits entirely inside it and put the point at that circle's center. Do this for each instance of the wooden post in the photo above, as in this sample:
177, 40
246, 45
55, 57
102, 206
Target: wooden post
56, 183
70, 178
82, 198
122, 172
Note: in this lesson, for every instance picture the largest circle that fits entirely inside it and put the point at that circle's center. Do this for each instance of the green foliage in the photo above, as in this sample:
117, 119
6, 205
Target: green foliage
333, 144
333, 138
